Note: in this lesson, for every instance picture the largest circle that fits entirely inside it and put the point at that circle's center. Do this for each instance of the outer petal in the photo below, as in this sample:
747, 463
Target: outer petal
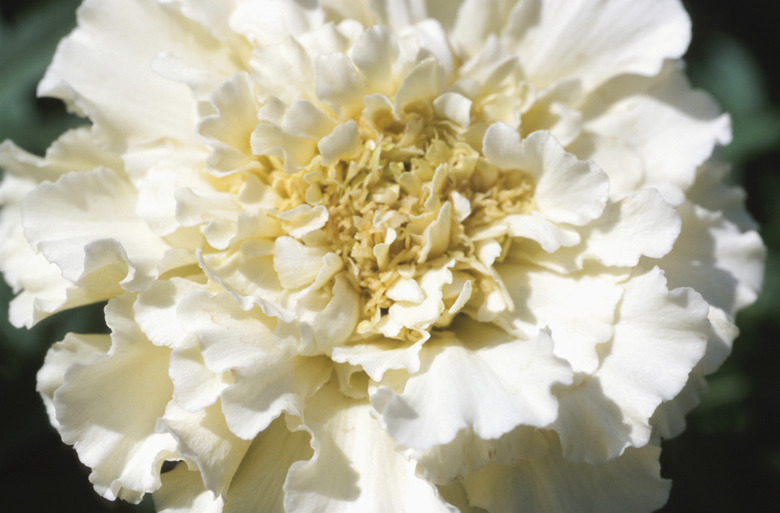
255, 486
712, 255
72, 349
204, 439
659, 338
108, 407
104, 67
453, 461
630, 483
640, 225
42, 289
91, 216
595, 40
355, 467
480, 378
182, 491
672, 128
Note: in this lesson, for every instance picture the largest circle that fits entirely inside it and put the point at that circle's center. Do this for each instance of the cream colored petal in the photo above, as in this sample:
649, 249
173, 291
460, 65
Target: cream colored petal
285, 71
669, 419
630, 483
379, 356
422, 85
452, 462
104, 67
248, 276
595, 40
339, 84
155, 311
215, 17
673, 128
398, 14
579, 310
642, 224
79, 149
455, 494
534, 227
229, 130
194, 386
713, 191
712, 255
182, 491
303, 119
660, 336
477, 20
63, 218
341, 144
72, 349
265, 22
616, 155
420, 315
336, 322
355, 467
264, 380
567, 190
296, 264
108, 407
479, 378
271, 140
159, 171
274, 385
204, 439
455, 107
229, 336
39, 285
258, 483
722, 334
374, 54
434, 41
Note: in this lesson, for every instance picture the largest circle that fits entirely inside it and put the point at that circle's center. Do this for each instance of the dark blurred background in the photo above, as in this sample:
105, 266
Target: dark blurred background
728, 460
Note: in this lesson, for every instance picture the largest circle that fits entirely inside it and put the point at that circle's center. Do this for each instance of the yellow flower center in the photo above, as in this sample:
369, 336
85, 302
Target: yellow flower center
418, 196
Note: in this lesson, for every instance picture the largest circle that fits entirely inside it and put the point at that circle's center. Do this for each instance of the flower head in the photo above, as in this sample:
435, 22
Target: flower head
379, 256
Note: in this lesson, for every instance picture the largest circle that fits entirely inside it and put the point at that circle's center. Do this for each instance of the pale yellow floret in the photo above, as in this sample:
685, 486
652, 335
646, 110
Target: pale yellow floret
407, 204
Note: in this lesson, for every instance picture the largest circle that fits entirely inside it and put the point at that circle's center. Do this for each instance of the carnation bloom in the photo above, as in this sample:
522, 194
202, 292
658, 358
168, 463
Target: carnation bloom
387, 256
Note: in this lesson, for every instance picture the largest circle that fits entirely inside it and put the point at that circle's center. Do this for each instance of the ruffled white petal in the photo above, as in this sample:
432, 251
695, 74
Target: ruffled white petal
72, 349
567, 190
108, 408
103, 70
478, 378
659, 338
596, 40
723, 263
85, 223
355, 467
204, 439
630, 110
580, 310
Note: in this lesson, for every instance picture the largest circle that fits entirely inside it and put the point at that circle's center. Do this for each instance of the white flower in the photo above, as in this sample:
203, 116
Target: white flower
379, 256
